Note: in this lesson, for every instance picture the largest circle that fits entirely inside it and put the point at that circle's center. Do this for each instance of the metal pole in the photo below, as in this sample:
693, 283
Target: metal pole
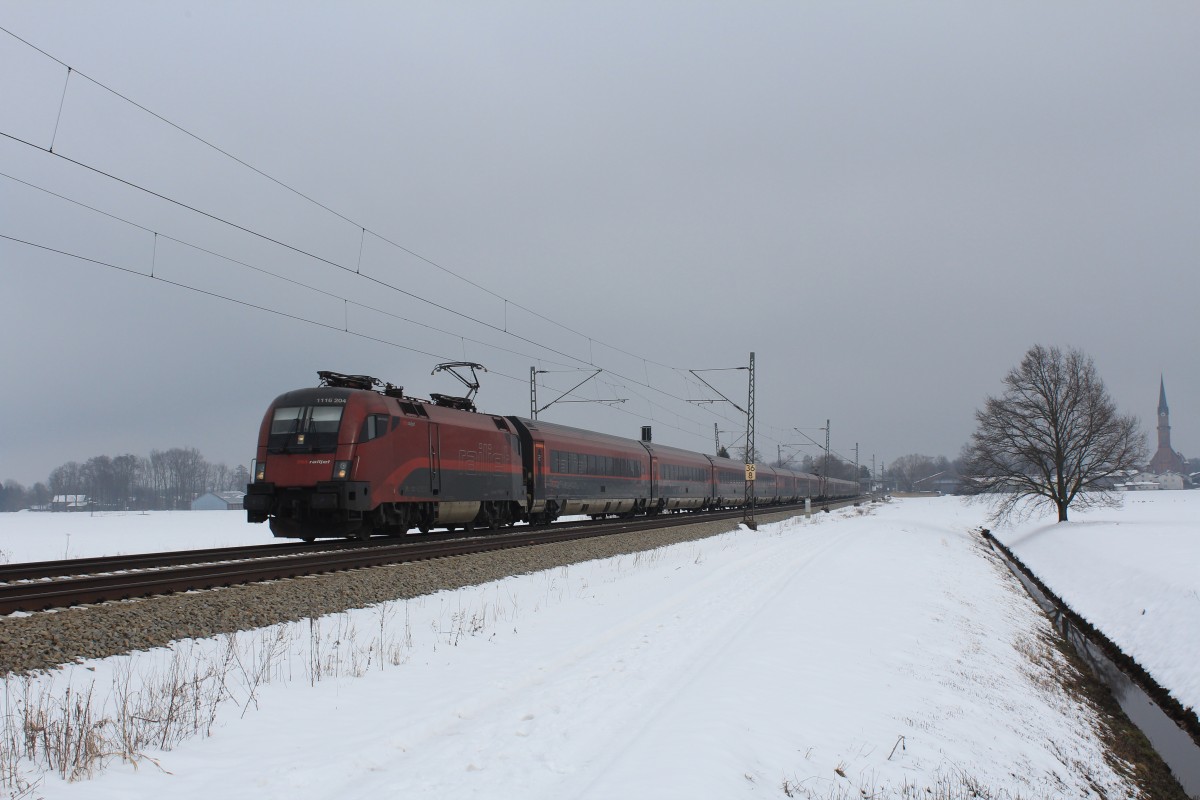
532, 393
825, 476
750, 498
716, 440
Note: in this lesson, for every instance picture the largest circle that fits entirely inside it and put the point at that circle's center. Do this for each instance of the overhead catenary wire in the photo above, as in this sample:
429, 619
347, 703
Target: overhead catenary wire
217, 295
330, 210
283, 314
258, 269
323, 260
309, 198
317, 258
504, 329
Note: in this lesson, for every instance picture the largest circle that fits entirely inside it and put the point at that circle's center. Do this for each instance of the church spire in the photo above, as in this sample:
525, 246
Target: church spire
1166, 459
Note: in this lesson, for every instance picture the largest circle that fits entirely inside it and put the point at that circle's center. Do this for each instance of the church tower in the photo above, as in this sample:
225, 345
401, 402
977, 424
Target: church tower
1166, 459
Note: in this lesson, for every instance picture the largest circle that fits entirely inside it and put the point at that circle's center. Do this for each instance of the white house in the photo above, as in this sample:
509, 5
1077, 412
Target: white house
218, 501
1149, 481
70, 502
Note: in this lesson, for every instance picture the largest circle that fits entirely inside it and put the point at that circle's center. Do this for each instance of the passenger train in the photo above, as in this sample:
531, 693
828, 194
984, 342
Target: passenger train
355, 457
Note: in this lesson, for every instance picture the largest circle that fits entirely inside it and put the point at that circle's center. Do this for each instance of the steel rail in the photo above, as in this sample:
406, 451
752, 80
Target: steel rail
41, 570
118, 584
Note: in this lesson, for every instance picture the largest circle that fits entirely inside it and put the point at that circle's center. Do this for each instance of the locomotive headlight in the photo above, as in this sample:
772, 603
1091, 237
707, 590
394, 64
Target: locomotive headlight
341, 470
260, 471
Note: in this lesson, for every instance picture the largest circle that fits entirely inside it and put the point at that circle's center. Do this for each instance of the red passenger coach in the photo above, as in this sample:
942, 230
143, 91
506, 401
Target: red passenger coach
729, 482
682, 480
766, 486
575, 471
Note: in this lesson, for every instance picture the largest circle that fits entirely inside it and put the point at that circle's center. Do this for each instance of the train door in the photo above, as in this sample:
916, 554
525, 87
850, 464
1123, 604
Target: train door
435, 459
654, 495
539, 469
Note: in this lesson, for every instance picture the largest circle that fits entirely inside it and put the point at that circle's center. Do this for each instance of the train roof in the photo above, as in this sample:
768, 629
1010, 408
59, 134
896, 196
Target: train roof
553, 429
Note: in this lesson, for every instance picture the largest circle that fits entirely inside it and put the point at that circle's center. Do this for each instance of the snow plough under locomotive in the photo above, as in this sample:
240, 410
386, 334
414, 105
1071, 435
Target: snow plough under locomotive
355, 457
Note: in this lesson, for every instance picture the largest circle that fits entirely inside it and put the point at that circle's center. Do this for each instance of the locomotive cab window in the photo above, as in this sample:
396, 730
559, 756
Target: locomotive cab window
304, 429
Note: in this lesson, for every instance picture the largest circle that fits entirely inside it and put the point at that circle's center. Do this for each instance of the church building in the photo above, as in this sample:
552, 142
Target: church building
1166, 459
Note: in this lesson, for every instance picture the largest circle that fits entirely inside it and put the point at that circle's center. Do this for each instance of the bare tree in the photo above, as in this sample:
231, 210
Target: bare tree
218, 477
67, 479
914, 471
1053, 438
741, 455
125, 475
13, 496
98, 482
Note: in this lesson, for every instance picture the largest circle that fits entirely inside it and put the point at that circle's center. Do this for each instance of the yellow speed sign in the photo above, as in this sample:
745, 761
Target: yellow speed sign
749, 472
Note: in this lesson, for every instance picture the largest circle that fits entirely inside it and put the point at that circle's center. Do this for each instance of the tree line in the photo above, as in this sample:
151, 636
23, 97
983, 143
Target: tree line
908, 473
167, 479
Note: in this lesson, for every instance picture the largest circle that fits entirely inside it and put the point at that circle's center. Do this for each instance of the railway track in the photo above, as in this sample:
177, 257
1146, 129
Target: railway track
44, 585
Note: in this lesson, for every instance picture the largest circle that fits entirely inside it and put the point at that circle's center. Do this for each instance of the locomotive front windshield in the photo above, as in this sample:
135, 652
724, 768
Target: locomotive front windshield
304, 429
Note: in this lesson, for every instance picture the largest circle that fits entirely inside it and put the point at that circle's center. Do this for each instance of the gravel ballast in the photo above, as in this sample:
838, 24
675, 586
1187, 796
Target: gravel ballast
49, 639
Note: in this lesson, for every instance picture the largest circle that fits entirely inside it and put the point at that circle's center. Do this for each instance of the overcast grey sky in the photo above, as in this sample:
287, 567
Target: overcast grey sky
887, 202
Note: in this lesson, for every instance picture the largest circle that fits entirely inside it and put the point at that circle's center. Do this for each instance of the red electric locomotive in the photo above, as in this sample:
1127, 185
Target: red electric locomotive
346, 460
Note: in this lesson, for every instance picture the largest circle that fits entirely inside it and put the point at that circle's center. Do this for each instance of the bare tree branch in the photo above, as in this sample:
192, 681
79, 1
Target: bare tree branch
1053, 438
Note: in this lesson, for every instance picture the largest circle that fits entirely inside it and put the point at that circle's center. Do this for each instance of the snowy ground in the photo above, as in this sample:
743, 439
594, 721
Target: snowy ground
30, 536
813, 658
1134, 573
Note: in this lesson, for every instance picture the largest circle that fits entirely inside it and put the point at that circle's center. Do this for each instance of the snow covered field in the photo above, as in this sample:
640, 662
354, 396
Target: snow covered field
1134, 573
875, 651
29, 536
